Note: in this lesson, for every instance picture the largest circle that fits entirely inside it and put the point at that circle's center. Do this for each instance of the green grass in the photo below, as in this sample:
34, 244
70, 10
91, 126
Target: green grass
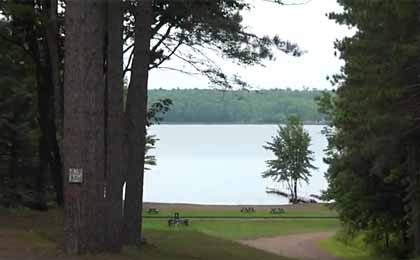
348, 251
187, 245
248, 229
339, 249
161, 245
39, 234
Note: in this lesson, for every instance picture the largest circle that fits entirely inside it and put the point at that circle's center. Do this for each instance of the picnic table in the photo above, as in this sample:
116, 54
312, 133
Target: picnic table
153, 211
247, 210
276, 210
176, 220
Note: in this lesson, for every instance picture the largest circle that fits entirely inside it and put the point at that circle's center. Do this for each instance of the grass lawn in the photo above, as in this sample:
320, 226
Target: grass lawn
196, 245
303, 210
33, 235
248, 229
348, 252
36, 236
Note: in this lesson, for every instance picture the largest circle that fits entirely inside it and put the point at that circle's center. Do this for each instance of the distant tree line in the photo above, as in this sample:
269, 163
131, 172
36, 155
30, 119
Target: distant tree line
240, 106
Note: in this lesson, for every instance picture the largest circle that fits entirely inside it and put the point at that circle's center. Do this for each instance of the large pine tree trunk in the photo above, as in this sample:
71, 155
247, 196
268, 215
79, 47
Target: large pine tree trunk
136, 123
83, 145
114, 112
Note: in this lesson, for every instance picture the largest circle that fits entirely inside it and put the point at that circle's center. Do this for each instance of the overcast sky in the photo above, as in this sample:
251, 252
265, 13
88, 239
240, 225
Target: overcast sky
305, 25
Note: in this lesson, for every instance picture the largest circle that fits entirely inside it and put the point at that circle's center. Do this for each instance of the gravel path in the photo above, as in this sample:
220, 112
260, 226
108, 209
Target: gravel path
299, 246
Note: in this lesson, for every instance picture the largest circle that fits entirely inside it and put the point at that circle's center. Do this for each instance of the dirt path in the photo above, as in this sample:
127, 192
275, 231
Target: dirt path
12, 247
299, 246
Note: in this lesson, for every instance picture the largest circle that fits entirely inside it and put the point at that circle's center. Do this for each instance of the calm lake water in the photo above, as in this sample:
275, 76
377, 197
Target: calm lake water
221, 164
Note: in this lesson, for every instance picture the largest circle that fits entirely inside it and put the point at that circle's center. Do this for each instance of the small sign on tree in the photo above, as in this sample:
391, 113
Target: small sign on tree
75, 175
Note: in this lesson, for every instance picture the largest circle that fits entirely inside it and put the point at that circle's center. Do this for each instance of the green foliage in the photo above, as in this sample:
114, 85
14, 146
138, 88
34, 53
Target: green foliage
293, 160
252, 107
150, 160
373, 121
19, 129
155, 114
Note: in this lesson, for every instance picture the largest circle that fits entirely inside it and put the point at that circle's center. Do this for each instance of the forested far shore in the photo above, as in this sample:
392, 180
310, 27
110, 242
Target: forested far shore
212, 106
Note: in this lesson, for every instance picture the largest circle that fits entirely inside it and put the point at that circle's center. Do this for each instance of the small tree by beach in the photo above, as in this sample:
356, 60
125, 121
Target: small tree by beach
293, 159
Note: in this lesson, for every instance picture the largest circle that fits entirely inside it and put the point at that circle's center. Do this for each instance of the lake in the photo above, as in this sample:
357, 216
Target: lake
221, 164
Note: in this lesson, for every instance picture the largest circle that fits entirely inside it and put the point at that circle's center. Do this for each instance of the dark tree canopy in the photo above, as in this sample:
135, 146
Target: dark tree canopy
372, 152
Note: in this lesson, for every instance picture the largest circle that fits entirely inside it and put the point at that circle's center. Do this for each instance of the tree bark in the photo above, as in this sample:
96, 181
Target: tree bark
84, 137
136, 124
114, 113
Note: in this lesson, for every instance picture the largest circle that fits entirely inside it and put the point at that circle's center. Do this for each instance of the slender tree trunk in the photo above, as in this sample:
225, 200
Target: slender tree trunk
386, 240
295, 190
84, 125
40, 198
404, 235
414, 197
12, 194
416, 222
45, 56
136, 124
56, 85
52, 38
48, 129
416, 170
114, 113
416, 214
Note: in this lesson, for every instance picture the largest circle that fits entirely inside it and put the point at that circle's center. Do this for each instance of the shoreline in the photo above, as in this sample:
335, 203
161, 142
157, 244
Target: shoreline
192, 206
227, 124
